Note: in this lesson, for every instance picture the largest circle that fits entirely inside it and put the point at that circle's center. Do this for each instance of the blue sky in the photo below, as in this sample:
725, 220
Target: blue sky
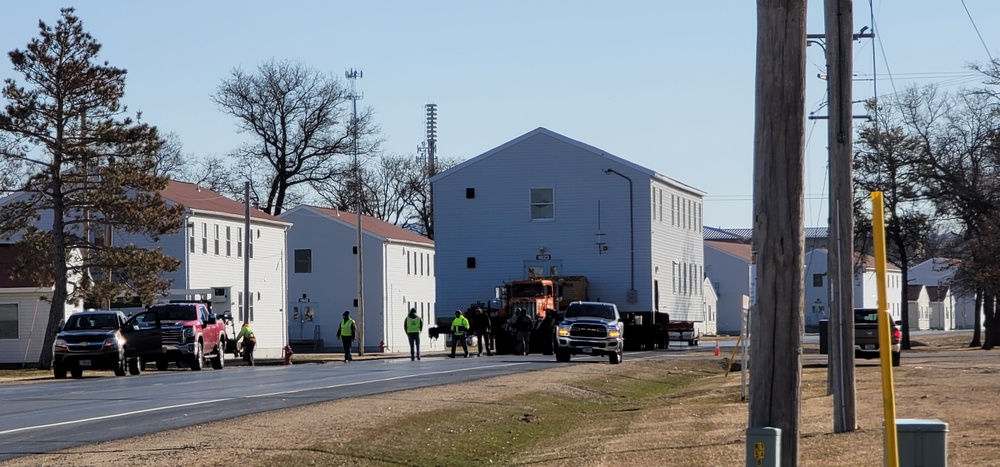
666, 84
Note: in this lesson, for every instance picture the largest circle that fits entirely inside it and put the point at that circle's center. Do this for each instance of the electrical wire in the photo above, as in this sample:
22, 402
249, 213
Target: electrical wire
976, 28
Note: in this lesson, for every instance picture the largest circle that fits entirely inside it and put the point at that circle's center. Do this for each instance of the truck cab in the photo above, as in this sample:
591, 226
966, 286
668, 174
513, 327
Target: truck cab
189, 334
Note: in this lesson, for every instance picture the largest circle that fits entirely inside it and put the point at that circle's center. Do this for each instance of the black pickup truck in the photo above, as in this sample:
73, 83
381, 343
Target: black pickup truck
866, 340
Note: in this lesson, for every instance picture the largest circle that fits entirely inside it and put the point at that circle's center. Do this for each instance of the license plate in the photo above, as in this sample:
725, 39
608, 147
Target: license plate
869, 346
587, 350
84, 362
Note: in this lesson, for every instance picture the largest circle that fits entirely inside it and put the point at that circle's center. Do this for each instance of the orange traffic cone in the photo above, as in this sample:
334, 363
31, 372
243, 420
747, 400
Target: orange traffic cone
717, 350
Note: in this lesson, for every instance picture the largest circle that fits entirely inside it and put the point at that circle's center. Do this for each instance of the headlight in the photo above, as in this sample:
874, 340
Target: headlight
188, 333
112, 342
59, 344
563, 331
614, 333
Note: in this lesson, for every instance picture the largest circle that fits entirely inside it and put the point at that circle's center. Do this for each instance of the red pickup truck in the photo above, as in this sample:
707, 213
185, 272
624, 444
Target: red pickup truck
189, 333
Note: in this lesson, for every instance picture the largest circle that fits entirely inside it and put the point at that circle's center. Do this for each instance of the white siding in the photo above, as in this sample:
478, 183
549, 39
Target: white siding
31, 323
591, 234
331, 287
731, 277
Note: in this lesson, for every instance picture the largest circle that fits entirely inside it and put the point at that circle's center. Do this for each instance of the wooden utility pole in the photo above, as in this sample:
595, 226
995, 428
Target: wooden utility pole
839, 18
778, 213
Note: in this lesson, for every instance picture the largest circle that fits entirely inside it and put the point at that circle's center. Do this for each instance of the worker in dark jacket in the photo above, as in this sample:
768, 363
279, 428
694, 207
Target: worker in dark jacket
484, 335
522, 324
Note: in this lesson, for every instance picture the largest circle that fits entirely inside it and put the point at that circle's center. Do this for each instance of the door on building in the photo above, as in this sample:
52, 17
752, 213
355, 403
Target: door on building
303, 323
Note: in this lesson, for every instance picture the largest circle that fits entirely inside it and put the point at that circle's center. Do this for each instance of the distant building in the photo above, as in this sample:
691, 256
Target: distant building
816, 237
727, 265
939, 272
942, 305
865, 287
323, 281
918, 307
547, 205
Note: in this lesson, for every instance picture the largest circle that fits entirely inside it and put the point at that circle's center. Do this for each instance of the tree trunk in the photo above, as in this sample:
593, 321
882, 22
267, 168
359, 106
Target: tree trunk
904, 313
977, 320
57, 311
778, 234
989, 313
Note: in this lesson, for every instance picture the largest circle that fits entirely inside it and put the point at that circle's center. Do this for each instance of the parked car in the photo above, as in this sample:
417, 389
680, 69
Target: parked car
90, 340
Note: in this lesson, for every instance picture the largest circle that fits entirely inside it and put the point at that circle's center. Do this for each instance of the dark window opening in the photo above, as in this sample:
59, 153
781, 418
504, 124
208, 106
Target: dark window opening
470, 262
470, 193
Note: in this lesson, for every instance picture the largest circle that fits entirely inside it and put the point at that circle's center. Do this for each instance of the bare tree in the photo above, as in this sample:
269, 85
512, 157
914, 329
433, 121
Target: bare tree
300, 121
888, 160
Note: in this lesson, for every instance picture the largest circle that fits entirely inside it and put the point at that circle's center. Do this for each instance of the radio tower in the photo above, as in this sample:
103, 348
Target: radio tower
431, 112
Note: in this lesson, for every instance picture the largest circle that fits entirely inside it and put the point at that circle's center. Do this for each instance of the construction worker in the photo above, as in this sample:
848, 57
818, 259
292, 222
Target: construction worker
413, 325
346, 333
459, 326
484, 335
522, 325
249, 342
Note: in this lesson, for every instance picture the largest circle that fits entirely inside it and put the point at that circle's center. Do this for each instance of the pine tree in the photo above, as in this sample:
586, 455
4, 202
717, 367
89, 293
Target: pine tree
90, 174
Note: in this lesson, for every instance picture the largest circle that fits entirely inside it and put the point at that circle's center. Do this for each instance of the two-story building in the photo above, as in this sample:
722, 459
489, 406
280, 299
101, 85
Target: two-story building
547, 205
817, 287
398, 270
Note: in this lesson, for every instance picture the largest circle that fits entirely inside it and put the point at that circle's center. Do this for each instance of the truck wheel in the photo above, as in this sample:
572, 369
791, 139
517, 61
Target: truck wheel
895, 359
77, 373
615, 358
162, 365
120, 369
198, 360
135, 366
219, 360
562, 356
59, 370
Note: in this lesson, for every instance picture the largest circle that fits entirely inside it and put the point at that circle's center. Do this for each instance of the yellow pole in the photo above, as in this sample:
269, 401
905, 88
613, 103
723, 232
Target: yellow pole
885, 339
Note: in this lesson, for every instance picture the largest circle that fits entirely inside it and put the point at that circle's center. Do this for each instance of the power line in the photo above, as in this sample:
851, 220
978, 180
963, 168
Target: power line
988, 54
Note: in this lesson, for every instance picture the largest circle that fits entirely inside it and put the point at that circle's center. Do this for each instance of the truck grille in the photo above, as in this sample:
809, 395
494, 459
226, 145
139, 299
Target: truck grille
173, 335
89, 347
588, 330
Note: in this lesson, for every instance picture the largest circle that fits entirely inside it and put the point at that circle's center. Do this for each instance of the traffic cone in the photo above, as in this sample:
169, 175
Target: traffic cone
717, 350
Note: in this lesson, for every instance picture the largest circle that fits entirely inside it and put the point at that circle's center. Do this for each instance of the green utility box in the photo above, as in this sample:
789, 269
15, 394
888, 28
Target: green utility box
763, 446
922, 443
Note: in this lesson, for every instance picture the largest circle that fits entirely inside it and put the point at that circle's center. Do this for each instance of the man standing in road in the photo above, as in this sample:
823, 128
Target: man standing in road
484, 336
459, 326
413, 325
346, 334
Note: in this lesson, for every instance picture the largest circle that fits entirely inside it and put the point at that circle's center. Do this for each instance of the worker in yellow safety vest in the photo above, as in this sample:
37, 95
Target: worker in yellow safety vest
249, 342
346, 333
413, 324
459, 326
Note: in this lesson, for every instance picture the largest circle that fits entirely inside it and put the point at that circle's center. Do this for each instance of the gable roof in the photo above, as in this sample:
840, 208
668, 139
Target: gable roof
739, 250
745, 235
372, 225
205, 201
586, 147
867, 261
937, 293
913, 292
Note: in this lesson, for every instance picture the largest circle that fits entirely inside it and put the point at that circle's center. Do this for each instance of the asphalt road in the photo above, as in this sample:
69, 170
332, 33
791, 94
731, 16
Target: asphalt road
51, 415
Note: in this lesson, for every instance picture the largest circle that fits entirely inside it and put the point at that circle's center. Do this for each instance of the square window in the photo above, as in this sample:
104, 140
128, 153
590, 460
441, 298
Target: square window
470, 193
8, 321
817, 280
470, 262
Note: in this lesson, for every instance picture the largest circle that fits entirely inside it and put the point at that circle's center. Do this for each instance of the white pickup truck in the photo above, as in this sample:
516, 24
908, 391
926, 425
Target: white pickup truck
590, 328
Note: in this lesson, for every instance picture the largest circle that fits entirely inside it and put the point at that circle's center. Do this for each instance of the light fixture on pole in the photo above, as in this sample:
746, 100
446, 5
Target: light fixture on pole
354, 75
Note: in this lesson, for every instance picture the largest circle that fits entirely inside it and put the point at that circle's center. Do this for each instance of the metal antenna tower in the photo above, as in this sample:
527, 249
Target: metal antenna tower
354, 75
431, 112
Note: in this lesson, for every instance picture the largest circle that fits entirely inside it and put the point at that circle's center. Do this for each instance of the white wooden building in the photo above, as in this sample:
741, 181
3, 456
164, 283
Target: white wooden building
727, 265
939, 272
918, 307
942, 305
547, 205
398, 275
23, 312
711, 310
211, 247
865, 287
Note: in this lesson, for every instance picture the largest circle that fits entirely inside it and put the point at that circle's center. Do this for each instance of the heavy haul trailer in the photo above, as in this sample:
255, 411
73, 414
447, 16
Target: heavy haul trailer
545, 299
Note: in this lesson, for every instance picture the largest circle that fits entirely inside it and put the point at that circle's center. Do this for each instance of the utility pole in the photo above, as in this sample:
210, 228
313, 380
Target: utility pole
354, 75
839, 19
778, 216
